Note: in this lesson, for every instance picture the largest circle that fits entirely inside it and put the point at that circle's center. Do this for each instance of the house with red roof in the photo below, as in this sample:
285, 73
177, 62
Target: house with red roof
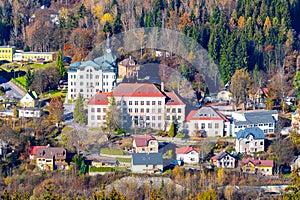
189, 155
142, 105
145, 144
264, 167
32, 151
208, 122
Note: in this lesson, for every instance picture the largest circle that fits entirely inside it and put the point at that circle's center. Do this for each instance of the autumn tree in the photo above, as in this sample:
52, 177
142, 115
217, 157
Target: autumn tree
56, 109
79, 115
239, 86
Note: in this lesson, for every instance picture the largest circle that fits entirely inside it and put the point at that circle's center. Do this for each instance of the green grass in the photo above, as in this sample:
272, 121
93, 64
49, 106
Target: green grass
125, 160
21, 80
35, 66
112, 151
180, 135
101, 169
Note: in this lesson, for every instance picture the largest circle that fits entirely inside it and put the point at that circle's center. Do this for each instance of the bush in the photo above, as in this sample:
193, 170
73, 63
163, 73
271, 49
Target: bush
180, 135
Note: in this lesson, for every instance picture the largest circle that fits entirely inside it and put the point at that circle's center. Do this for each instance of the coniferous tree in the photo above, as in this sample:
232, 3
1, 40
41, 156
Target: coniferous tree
60, 64
79, 115
113, 118
29, 78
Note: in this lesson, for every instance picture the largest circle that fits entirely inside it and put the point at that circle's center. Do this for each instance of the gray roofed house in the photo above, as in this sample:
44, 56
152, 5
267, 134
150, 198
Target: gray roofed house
266, 120
147, 163
224, 160
250, 140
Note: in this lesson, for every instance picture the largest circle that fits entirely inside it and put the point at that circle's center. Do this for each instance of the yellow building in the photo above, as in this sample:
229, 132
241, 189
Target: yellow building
36, 56
30, 100
145, 144
264, 167
7, 52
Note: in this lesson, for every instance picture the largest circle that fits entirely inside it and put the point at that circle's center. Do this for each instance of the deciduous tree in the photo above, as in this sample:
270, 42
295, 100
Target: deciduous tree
56, 109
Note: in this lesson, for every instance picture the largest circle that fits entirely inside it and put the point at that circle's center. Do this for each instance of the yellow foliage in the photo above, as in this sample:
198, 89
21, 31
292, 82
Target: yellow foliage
178, 172
63, 13
106, 18
98, 11
220, 177
241, 22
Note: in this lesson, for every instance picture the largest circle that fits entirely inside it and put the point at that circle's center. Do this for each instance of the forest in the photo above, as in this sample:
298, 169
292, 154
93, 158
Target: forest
260, 36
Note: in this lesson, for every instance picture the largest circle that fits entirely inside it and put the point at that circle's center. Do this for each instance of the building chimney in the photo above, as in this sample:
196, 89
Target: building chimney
162, 86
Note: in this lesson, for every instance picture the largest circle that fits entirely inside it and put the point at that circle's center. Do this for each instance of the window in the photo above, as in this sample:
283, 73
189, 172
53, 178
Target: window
159, 110
93, 110
147, 117
202, 125
142, 110
130, 110
216, 125
130, 102
104, 109
99, 117
81, 83
173, 110
179, 110
147, 110
136, 103
98, 109
142, 103
159, 103
159, 118
261, 143
153, 103
153, 118
97, 76
196, 126
136, 110
147, 103
92, 117
209, 125
168, 110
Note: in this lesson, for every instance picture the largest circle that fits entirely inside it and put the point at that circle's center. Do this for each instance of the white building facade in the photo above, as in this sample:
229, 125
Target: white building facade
141, 105
92, 76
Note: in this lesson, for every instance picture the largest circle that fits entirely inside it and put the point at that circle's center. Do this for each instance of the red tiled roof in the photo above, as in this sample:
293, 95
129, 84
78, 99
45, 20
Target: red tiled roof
192, 116
174, 99
100, 98
142, 141
185, 150
258, 163
137, 90
33, 149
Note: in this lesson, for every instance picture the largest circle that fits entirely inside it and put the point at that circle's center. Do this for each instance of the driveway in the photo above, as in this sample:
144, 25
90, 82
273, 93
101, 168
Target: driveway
12, 91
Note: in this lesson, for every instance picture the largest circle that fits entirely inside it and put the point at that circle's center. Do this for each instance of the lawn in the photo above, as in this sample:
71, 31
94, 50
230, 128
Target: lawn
125, 160
21, 80
112, 151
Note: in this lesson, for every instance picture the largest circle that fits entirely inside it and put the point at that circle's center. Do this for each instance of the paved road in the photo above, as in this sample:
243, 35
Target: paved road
12, 91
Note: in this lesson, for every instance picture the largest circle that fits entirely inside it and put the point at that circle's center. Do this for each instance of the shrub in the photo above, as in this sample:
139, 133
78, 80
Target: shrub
101, 169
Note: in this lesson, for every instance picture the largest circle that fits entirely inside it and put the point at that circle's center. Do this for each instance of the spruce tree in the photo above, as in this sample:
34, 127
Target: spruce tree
79, 115
60, 64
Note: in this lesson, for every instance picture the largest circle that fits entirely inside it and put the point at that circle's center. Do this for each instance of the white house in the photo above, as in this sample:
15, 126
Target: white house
30, 112
208, 120
142, 105
147, 163
224, 160
266, 120
189, 155
250, 140
92, 76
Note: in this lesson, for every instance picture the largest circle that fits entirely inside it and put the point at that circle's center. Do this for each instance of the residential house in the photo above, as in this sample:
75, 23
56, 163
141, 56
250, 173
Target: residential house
189, 155
32, 151
92, 76
147, 162
51, 158
128, 68
257, 96
266, 120
30, 100
263, 167
208, 120
145, 144
224, 96
30, 112
225, 160
225, 108
142, 105
250, 140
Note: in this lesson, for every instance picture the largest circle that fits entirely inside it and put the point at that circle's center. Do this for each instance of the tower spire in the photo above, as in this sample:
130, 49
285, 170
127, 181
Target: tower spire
108, 50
